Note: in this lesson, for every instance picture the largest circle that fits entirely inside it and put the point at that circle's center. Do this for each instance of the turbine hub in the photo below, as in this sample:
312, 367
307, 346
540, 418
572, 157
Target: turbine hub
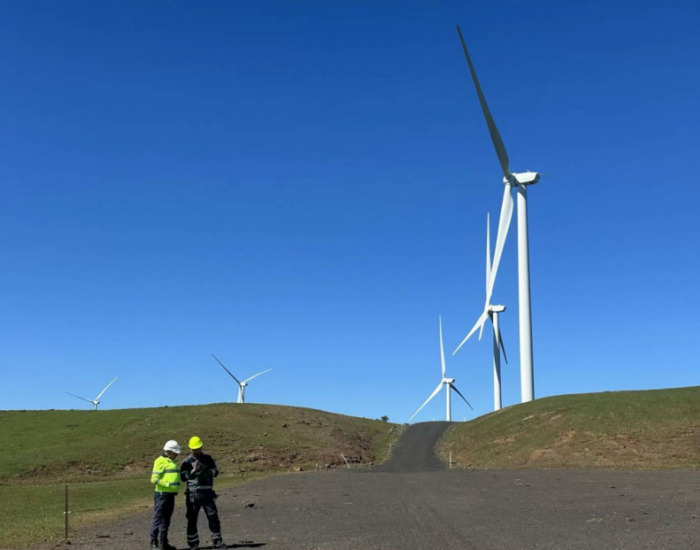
244, 384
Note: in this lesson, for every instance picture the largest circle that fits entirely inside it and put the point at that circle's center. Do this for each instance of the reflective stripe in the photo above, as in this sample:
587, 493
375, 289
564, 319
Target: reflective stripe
156, 473
174, 484
171, 471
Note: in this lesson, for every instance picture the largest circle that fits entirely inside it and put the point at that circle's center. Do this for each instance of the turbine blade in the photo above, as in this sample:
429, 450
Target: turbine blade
442, 349
427, 400
481, 331
479, 322
69, 393
228, 371
488, 253
460, 394
499, 335
256, 375
495, 135
104, 390
503, 226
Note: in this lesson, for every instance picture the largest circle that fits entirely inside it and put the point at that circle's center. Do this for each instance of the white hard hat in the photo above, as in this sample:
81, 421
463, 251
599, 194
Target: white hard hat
172, 446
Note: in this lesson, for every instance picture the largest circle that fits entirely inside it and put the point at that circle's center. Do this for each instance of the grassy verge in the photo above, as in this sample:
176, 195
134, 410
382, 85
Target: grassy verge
33, 514
624, 430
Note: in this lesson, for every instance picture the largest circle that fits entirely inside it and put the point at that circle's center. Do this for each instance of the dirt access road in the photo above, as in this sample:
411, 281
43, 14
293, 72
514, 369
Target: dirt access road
412, 503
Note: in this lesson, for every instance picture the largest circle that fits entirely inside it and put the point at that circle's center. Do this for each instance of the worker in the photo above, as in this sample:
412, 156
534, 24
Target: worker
198, 471
166, 478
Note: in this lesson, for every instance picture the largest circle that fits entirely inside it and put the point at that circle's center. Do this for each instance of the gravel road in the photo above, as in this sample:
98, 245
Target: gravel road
412, 503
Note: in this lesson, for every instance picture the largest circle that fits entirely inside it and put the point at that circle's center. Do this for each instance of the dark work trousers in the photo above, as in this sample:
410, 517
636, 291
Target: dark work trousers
195, 501
163, 507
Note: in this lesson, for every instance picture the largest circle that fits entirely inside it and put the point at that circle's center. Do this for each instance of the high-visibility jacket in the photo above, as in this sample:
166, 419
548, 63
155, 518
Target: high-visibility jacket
165, 475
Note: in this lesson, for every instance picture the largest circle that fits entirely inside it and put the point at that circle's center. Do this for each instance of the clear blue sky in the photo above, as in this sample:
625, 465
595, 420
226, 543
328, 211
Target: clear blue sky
304, 186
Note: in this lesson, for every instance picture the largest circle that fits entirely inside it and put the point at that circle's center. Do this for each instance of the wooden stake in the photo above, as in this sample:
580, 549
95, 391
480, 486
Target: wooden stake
65, 514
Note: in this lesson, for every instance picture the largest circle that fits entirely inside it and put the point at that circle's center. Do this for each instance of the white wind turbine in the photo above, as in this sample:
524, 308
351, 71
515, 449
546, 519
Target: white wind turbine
491, 312
449, 382
95, 402
519, 180
241, 385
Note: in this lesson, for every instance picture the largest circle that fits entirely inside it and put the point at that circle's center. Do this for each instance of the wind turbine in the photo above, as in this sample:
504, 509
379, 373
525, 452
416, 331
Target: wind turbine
449, 382
519, 180
95, 402
491, 312
241, 385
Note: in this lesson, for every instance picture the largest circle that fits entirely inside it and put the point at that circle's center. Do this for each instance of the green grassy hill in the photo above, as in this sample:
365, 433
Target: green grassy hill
624, 430
89, 445
106, 456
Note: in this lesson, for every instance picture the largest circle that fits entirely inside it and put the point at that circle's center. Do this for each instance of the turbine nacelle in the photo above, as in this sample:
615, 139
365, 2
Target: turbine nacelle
448, 380
497, 309
522, 178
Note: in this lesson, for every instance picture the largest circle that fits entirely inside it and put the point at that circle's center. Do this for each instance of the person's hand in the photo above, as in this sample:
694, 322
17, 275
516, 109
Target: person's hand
195, 467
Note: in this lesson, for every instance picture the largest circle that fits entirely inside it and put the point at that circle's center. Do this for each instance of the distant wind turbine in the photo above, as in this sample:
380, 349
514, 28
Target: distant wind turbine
95, 402
491, 312
449, 382
241, 385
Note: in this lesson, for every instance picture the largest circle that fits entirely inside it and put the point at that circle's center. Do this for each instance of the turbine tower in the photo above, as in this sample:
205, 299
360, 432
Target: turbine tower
241, 385
95, 402
491, 312
520, 181
449, 382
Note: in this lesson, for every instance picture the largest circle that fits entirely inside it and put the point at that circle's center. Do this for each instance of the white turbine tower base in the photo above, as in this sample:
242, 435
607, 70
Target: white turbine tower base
449, 383
241, 384
95, 402
527, 367
520, 181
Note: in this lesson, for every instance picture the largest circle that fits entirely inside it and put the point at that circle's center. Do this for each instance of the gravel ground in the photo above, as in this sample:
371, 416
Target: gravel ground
411, 503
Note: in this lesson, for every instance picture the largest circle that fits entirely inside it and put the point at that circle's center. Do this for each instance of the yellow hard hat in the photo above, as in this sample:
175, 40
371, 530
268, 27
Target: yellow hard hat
195, 443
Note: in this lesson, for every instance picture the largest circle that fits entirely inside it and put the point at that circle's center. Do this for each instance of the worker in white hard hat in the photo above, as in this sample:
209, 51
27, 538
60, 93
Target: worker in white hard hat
166, 477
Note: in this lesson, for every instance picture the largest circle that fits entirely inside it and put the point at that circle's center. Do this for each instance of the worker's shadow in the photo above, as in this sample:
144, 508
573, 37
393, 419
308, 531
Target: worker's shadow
238, 545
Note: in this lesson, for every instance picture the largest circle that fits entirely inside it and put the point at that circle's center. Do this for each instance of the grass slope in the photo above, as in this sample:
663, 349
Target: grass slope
106, 456
89, 445
623, 430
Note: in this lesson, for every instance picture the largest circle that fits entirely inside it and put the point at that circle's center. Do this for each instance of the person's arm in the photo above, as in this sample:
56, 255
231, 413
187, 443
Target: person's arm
212, 467
157, 472
186, 471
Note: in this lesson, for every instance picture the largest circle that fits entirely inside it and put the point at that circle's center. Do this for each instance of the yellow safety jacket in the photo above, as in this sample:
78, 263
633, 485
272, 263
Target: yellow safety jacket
165, 475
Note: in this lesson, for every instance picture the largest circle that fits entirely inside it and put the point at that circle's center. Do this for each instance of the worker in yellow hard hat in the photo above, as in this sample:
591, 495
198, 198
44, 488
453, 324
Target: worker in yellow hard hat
198, 472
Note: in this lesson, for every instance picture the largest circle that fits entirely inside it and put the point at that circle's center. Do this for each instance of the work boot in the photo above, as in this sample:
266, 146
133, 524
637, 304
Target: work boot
220, 544
155, 546
167, 546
